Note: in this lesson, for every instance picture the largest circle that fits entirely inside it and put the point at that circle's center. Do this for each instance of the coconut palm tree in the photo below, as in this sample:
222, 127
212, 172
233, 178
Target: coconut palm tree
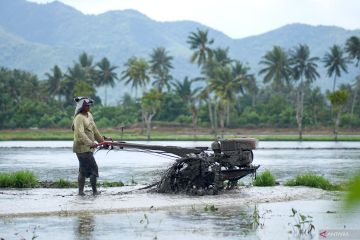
55, 78
240, 72
338, 100
335, 62
303, 68
86, 63
106, 75
277, 69
160, 65
226, 83
356, 86
85, 60
136, 73
72, 76
77, 83
199, 43
220, 59
221, 56
251, 88
245, 80
189, 95
352, 47
202, 54
223, 87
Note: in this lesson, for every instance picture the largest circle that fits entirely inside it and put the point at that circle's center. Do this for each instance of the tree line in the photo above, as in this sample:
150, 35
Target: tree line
226, 93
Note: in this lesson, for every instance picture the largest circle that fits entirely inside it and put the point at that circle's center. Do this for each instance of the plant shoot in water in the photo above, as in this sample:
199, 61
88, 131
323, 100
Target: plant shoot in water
257, 220
210, 208
303, 224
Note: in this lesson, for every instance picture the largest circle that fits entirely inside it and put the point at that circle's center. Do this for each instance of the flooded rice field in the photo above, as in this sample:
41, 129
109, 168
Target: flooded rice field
181, 223
54, 159
247, 212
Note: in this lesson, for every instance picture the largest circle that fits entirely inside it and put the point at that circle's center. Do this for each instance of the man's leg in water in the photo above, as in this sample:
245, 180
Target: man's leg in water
81, 182
93, 184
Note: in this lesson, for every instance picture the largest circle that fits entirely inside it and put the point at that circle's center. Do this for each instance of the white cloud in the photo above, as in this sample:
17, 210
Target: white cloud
236, 18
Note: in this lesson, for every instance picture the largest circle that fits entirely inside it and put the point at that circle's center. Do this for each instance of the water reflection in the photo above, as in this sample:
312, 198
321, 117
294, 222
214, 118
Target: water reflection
195, 223
239, 221
85, 226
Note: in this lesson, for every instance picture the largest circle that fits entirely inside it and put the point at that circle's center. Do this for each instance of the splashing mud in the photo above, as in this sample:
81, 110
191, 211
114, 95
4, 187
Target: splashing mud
66, 202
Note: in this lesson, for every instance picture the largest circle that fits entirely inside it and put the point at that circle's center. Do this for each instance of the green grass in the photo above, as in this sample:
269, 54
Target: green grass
20, 179
264, 179
329, 137
27, 179
313, 180
36, 135
61, 183
168, 135
111, 184
62, 134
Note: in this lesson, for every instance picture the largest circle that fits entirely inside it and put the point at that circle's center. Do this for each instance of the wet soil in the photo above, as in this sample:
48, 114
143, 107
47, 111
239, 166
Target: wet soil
66, 201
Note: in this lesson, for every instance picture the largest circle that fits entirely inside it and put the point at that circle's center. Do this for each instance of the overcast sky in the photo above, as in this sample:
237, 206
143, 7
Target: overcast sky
236, 18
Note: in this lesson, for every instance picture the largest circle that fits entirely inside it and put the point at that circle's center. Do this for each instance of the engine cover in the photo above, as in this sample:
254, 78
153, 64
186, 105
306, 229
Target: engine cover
237, 152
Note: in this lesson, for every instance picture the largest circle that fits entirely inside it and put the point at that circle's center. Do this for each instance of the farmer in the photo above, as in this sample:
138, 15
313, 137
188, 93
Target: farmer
85, 134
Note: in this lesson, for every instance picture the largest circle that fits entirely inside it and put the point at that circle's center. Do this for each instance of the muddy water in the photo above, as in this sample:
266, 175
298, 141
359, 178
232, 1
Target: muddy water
60, 214
184, 223
54, 159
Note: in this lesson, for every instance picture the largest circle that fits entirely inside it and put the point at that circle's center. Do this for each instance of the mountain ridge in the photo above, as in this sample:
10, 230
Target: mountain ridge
34, 37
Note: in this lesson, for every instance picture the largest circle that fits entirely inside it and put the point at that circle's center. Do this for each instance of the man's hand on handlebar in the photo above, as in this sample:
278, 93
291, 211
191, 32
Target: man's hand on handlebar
94, 145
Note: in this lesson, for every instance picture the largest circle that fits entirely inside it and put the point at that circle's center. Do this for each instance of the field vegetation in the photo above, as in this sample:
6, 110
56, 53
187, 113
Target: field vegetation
20, 179
265, 179
226, 94
313, 180
182, 133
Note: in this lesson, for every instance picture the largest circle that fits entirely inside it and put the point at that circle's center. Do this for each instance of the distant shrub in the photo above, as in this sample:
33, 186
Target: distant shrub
183, 119
249, 117
311, 180
46, 121
20, 179
64, 122
104, 123
264, 179
346, 120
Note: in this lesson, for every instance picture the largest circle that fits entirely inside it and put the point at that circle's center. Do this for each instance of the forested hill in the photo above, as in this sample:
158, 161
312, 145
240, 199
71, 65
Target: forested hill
34, 37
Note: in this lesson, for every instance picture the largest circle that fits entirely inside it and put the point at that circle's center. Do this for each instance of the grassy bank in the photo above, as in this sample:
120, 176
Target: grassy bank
171, 135
315, 181
265, 179
27, 179
20, 179
62, 183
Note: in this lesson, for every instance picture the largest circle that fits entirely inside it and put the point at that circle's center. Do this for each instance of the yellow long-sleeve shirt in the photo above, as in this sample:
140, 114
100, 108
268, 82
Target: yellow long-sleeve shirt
85, 133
